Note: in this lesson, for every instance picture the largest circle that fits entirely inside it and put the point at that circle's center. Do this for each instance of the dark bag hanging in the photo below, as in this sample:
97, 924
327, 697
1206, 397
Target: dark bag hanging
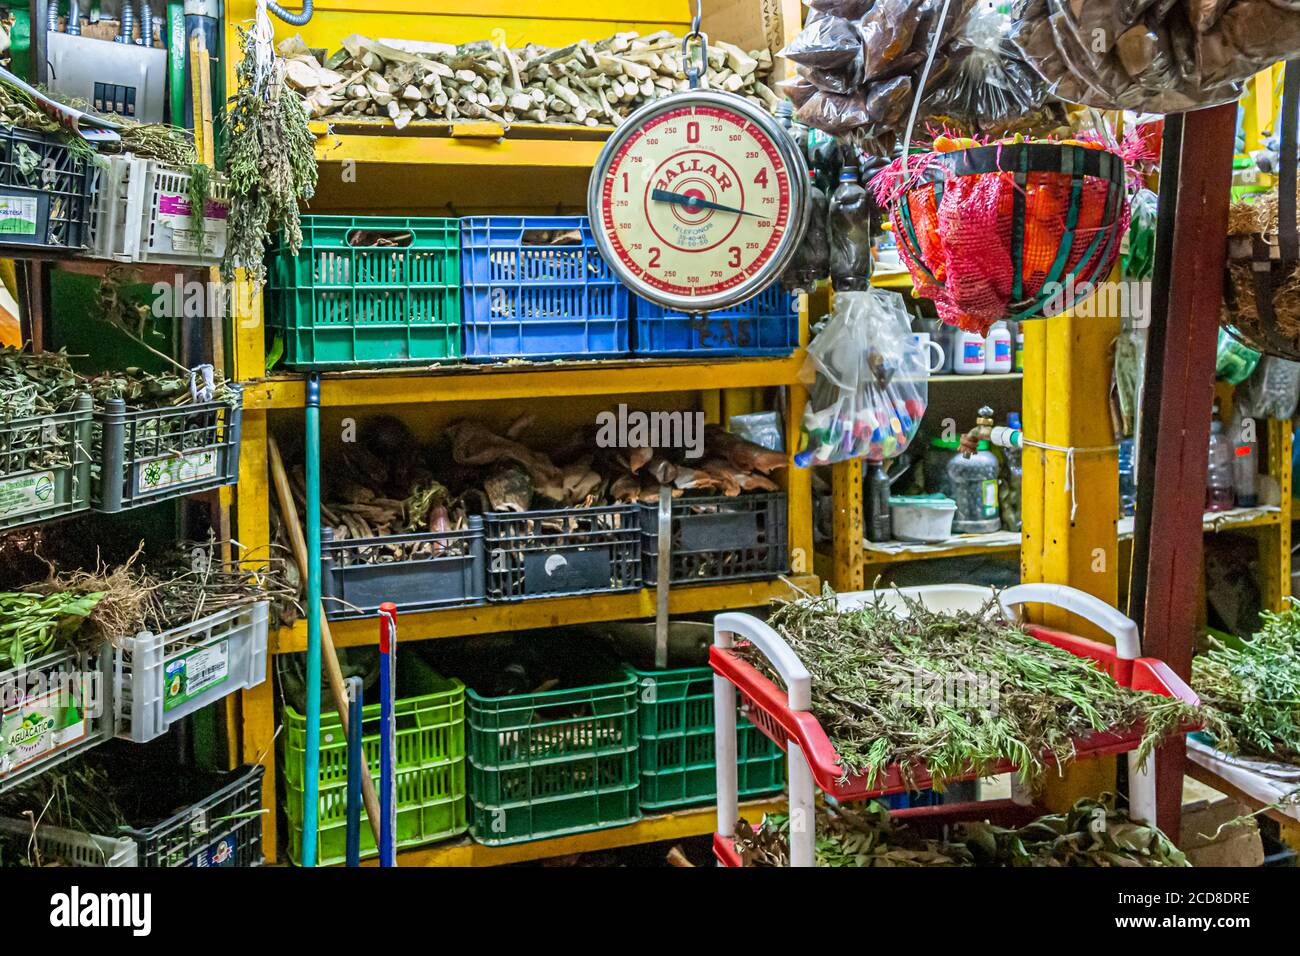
1273, 265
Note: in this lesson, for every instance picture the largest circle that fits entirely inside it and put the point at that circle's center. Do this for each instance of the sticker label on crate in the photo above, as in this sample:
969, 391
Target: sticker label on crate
176, 470
188, 676
574, 570
174, 216
40, 725
724, 531
221, 853
26, 493
18, 215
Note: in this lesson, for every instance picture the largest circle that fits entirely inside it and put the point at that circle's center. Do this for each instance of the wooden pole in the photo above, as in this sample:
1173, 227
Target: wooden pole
1196, 178
289, 512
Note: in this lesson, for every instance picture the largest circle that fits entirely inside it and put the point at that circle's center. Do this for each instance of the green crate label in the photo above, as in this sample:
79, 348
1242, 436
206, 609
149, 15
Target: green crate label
195, 672
26, 493
17, 216
176, 470
990, 490
40, 725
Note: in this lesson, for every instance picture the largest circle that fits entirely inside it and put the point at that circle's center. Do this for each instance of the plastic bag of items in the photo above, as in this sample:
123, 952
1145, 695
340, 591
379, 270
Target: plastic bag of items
857, 63
870, 382
1160, 56
1272, 391
986, 86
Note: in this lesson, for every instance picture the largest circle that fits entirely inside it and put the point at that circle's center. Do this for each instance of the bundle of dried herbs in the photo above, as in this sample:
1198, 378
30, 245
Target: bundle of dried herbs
1092, 834
35, 383
271, 161
77, 796
1254, 687
955, 693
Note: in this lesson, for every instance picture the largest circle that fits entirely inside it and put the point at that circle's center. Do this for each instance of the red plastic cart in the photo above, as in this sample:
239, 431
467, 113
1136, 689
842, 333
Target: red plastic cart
784, 716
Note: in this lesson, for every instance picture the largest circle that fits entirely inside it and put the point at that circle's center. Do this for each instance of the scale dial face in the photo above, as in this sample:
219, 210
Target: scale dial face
699, 201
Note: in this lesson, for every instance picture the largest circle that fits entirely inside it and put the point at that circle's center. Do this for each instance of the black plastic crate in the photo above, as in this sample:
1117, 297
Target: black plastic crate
45, 468
221, 827
535, 554
149, 455
417, 572
45, 191
720, 538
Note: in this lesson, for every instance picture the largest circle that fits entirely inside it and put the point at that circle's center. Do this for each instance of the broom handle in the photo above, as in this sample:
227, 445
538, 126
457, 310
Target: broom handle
289, 513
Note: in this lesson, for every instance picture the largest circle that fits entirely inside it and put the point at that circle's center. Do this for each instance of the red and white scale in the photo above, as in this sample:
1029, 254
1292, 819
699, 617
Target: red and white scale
699, 200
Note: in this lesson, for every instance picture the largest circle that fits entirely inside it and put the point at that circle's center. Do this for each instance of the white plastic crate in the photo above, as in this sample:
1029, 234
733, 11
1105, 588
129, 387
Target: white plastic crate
53, 708
142, 214
72, 848
160, 678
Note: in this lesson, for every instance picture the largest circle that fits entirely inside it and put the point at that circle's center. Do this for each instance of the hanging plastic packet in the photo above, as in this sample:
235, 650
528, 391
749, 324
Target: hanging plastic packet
1272, 391
869, 382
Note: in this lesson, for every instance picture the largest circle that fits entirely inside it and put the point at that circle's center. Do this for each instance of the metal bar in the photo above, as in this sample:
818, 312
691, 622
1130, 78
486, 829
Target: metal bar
387, 734
311, 773
663, 573
356, 767
1178, 392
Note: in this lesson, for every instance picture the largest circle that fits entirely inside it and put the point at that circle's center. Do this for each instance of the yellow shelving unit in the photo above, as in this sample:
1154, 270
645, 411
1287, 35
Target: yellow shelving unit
481, 168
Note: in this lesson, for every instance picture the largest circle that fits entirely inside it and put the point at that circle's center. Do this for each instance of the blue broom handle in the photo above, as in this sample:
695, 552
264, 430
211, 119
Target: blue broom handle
356, 767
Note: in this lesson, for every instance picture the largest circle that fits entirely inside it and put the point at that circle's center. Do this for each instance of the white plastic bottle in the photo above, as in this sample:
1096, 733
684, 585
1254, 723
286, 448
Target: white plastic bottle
1245, 463
997, 350
967, 352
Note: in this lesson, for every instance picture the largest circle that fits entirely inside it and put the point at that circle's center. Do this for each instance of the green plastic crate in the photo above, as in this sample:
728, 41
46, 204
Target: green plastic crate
430, 780
675, 721
344, 306
553, 763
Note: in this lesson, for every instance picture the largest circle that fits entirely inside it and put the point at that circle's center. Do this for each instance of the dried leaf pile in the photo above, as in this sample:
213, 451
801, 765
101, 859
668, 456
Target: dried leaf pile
77, 796
1255, 689
954, 694
585, 83
1093, 834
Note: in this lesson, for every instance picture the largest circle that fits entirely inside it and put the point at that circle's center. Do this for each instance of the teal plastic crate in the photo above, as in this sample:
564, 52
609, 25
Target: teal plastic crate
340, 304
553, 763
430, 783
675, 721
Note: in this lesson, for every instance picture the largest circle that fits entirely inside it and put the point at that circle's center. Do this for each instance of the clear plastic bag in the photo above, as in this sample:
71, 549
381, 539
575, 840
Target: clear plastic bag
1161, 56
1272, 391
869, 382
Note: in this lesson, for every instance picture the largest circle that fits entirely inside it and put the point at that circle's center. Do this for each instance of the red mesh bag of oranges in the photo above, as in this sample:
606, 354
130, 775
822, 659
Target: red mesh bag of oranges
1013, 230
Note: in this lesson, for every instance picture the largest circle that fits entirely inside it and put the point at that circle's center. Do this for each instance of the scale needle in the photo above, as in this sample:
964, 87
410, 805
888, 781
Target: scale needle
663, 195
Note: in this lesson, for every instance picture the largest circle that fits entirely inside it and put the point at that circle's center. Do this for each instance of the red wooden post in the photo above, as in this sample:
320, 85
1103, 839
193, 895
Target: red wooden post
1179, 391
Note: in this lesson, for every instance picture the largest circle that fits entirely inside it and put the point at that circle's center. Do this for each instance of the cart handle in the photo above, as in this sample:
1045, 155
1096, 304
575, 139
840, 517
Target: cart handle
798, 682
1128, 646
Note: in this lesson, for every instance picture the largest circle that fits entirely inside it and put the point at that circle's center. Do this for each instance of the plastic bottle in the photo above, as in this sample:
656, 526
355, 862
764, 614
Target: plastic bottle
967, 352
1009, 485
824, 158
812, 259
879, 524
997, 349
849, 227
974, 482
1127, 479
1245, 462
1019, 362
940, 453
1218, 482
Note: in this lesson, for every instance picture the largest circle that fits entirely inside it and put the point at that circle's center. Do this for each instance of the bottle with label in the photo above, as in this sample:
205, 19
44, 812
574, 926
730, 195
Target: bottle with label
879, 520
967, 352
997, 350
1018, 361
849, 226
1245, 461
1009, 485
1218, 482
974, 483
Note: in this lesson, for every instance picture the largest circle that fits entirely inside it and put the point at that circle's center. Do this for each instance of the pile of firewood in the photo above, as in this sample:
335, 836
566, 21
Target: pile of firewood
585, 83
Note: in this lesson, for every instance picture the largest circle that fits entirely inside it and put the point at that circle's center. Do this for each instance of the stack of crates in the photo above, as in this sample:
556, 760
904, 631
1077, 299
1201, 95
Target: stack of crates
767, 324
555, 762
430, 783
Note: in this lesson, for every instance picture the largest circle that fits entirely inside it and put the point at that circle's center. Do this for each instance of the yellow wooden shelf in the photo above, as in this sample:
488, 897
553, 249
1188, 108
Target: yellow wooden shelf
459, 144
1234, 519
698, 821
986, 379
461, 383
898, 281
549, 612
958, 547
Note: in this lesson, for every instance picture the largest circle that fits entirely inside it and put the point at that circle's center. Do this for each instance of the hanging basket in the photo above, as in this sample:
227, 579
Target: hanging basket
1261, 292
1009, 231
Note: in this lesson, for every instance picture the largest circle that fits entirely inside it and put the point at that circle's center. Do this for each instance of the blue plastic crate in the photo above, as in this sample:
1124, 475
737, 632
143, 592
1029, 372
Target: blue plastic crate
528, 299
767, 324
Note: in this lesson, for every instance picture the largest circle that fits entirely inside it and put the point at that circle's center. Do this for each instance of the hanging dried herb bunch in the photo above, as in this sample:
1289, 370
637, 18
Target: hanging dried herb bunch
955, 693
271, 162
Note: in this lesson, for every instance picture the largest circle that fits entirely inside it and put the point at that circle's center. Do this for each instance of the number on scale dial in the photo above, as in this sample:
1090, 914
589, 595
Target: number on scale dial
698, 201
